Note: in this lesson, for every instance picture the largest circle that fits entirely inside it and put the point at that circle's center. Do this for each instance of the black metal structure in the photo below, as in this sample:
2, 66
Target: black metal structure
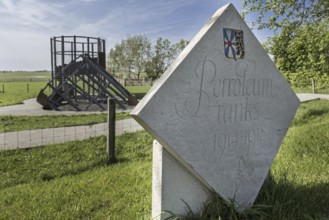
79, 79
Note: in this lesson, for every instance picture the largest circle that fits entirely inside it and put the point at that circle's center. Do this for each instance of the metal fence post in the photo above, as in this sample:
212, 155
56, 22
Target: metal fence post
110, 149
313, 85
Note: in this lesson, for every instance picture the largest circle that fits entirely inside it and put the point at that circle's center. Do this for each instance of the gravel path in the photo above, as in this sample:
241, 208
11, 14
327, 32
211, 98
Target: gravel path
32, 108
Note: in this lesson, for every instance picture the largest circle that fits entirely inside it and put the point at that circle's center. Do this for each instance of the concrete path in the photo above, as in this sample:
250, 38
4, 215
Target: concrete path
305, 97
30, 107
40, 137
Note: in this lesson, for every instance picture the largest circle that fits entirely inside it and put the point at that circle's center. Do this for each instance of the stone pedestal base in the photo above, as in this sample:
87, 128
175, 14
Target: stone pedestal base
172, 184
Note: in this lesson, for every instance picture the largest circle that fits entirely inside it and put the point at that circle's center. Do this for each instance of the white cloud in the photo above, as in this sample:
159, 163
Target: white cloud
30, 15
27, 25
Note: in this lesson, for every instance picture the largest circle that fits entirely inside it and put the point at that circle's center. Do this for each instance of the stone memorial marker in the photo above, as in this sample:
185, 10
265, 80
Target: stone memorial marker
221, 110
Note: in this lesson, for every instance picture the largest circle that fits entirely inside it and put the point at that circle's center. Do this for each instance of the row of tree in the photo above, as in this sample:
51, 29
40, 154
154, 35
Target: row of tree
300, 44
301, 41
136, 55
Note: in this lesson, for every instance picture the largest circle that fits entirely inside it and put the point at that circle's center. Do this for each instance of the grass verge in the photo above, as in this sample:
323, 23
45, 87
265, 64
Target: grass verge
17, 92
21, 123
298, 187
73, 180
138, 91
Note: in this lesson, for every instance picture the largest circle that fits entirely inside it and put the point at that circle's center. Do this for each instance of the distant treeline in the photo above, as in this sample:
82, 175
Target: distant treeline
136, 55
23, 71
24, 79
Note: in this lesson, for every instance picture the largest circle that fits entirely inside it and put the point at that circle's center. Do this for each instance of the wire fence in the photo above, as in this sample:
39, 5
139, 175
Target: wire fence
138, 82
15, 88
309, 86
25, 79
39, 137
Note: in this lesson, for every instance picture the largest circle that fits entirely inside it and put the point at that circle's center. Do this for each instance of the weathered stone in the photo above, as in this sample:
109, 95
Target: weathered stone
222, 115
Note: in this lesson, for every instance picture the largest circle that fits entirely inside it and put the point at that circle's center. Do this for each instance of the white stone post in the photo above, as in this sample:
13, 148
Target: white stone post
172, 185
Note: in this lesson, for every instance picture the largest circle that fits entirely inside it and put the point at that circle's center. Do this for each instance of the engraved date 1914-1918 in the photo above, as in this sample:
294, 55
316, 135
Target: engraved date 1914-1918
237, 142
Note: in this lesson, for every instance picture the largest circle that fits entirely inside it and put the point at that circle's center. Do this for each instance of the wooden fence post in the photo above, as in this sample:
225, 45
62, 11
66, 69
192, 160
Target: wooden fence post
313, 85
110, 149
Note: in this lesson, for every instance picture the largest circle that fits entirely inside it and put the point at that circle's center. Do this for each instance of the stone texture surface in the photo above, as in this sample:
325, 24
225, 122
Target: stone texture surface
223, 119
172, 185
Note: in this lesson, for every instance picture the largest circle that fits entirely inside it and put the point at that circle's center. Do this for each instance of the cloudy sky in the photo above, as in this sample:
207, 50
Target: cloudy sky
27, 25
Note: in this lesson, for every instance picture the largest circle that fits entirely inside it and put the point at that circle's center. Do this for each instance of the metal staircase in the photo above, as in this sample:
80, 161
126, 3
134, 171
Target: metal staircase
84, 85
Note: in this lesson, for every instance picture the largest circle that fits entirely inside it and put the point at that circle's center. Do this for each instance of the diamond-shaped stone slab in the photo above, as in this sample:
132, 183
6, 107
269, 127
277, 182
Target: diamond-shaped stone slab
222, 109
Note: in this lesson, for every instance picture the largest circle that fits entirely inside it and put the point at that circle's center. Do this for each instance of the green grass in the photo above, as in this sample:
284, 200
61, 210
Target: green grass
17, 92
21, 76
299, 183
73, 180
138, 91
21, 123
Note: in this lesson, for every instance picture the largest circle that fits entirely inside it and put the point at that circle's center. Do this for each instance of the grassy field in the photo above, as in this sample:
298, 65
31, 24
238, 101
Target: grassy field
73, 180
22, 76
17, 92
298, 187
138, 91
21, 123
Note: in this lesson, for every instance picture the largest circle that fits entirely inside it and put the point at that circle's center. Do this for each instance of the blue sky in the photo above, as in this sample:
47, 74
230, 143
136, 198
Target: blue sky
27, 25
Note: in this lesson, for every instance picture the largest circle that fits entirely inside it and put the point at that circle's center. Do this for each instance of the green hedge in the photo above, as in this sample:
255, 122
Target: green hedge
304, 79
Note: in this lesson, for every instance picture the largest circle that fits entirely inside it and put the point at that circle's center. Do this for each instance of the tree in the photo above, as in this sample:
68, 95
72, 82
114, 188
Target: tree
161, 57
136, 55
116, 60
301, 42
138, 52
130, 55
307, 49
277, 14
164, 52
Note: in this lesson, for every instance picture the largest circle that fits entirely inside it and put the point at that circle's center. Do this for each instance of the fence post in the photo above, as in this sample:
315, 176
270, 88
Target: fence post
110, 149
27, 88
313, 85
3, 88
